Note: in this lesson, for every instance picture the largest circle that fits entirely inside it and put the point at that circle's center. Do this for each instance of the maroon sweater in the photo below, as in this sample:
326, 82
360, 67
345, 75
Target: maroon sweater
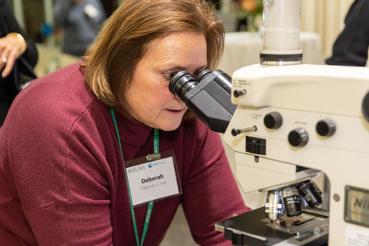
62, 177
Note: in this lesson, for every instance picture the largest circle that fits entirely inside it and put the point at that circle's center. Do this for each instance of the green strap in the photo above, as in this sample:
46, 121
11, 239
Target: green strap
156, 141
151, 203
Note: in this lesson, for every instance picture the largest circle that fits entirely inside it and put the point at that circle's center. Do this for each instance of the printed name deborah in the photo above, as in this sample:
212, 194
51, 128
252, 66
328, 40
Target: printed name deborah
150, 179
153, 180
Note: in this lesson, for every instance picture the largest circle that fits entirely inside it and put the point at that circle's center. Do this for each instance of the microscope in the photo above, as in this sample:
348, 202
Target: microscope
300, 135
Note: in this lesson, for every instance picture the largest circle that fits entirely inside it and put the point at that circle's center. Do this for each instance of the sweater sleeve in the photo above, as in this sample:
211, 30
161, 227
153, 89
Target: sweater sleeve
60, 174
351, 46
210, 193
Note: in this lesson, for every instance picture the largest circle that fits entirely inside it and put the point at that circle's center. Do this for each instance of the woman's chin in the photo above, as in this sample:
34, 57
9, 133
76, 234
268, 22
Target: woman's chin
169, 125
169, 128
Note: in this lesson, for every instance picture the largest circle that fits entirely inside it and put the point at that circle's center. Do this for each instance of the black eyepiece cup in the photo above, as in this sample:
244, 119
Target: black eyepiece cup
181, 82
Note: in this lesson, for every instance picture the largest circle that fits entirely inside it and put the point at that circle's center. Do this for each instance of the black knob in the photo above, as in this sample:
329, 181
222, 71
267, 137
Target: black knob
238, 93
273, 120
365, 106
298, 137
325, 127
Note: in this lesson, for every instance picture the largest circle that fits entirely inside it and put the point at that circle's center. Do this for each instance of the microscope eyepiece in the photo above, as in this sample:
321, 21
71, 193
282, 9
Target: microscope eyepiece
181, 82
207, 94
203, 72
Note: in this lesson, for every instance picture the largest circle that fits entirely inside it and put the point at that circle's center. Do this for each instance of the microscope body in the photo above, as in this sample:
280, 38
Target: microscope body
314, 116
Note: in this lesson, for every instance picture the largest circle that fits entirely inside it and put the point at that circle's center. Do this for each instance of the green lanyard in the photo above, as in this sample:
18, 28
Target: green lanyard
151, 203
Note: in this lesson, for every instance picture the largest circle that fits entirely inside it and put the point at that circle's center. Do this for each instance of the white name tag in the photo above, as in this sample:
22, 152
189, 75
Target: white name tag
153, 180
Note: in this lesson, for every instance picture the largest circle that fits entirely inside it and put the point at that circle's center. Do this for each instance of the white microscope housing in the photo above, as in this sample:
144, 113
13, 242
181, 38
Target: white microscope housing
314, 116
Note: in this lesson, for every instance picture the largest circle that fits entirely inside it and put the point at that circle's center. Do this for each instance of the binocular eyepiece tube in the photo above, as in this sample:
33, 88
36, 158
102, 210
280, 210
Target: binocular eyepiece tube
208, 95
181, 82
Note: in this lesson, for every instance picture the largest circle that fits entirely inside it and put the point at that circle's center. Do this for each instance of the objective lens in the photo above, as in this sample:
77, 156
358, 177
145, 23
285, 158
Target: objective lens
181, 82
311, 193
274, 206
292, 201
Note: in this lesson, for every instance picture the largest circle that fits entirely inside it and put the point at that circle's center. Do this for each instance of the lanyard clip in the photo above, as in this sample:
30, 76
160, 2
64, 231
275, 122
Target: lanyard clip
153, 157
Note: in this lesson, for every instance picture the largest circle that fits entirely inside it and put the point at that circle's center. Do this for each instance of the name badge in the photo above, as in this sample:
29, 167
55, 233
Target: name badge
151, 180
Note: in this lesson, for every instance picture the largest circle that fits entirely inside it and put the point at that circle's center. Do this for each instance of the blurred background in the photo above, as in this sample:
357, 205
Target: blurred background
323, 17
321, 22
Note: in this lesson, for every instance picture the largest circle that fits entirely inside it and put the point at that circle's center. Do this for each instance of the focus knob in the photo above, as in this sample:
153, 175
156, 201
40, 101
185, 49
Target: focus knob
298, 137
325, 127
365, 106
238, 93
273, 120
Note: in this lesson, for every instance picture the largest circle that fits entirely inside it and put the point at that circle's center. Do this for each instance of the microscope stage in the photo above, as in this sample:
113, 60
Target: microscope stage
252, 228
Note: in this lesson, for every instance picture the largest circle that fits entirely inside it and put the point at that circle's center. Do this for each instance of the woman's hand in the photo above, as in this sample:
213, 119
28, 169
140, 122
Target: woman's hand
12, 46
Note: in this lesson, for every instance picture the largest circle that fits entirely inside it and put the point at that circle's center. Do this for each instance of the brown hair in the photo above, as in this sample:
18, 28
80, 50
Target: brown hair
125, 37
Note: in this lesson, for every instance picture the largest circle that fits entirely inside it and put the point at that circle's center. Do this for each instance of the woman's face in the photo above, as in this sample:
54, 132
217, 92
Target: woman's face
148, 97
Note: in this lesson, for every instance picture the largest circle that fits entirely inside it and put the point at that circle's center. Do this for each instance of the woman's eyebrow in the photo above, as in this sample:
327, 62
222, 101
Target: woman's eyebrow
178, 68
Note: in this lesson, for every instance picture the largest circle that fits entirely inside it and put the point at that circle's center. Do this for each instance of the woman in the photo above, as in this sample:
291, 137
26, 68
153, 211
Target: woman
13, 44
67, 168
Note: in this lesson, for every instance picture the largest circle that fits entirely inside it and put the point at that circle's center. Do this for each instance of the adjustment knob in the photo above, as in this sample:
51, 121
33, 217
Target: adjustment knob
235, 131
273, 120
238, 93
365, 106
325, 127
298, 137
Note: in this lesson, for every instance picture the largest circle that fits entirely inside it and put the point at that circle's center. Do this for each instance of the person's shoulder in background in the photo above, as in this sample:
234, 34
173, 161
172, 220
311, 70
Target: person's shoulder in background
351, 46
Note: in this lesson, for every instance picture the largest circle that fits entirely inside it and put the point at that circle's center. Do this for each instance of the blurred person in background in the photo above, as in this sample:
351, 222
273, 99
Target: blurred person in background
78, 141
18, 54
351, 46
79, 21
109, 6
